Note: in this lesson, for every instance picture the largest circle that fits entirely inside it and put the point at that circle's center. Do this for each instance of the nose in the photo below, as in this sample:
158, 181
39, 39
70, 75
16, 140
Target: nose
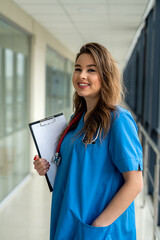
83, 74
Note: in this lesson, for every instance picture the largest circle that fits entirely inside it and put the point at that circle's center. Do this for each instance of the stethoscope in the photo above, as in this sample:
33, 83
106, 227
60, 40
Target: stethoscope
84, 140
57, 158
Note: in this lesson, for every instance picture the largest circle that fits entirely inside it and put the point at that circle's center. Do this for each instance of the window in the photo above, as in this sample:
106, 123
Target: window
58, 84
14, 147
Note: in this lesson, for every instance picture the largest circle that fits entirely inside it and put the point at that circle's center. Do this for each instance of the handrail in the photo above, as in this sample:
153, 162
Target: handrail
156, 198
150, 141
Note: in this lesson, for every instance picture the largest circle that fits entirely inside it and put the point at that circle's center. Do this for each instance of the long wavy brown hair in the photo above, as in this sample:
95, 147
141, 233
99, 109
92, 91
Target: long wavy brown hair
111, 94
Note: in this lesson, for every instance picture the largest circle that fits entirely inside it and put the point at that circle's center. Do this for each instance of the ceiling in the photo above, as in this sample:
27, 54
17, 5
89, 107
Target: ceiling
112, 23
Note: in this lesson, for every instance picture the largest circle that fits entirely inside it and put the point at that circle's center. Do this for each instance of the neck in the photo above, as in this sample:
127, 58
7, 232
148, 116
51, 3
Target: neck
91, 104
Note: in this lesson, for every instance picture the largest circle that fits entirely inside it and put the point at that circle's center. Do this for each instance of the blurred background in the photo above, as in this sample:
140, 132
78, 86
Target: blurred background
38, 43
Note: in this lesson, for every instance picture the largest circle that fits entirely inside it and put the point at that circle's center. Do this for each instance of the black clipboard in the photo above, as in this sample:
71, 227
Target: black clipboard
45, 133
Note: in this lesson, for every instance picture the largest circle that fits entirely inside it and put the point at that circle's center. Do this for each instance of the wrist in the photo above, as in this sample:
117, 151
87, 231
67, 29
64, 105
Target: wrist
98, 223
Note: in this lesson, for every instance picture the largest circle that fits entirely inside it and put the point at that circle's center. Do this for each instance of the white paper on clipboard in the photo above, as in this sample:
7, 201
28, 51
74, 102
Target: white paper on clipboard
45, 134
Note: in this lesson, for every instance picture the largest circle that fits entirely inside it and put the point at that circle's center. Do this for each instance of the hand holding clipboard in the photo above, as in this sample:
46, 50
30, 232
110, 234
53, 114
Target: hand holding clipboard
45, 134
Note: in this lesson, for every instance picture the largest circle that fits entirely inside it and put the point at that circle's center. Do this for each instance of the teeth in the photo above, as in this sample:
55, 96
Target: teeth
83, 84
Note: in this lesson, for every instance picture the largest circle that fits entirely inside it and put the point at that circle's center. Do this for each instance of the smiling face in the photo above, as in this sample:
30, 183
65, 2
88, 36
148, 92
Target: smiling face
86, 79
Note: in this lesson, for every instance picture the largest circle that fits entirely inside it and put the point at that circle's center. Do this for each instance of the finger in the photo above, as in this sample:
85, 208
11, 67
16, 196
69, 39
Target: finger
42, 166
43, 171
41, 162
36, 157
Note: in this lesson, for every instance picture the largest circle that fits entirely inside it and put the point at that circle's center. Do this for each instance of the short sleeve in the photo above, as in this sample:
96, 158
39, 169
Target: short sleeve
124, 146
71, 116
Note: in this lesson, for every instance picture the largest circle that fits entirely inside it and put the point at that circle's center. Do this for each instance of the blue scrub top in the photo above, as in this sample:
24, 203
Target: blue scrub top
88, 179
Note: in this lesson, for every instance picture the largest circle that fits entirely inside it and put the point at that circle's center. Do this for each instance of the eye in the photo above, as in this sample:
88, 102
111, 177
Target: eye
77, 70
91, 70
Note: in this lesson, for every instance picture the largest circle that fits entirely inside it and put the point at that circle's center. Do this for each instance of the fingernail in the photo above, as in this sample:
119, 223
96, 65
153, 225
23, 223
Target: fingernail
35, 158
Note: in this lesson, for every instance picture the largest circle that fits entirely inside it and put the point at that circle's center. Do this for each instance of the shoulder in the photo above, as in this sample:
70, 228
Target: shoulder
119, 111
122, 117
71, 116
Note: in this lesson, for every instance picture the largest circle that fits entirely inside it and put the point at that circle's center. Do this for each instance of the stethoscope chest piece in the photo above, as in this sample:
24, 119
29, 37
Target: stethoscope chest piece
56, 159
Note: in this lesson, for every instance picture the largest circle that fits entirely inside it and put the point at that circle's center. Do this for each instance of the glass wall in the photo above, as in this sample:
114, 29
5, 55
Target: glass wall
142, 78
14, 146
58, 84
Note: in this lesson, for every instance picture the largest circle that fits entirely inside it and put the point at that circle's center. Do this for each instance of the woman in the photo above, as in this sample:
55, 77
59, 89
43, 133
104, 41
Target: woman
101, 169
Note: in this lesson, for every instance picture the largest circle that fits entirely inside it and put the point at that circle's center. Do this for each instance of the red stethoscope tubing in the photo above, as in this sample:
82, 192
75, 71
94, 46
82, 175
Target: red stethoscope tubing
57, 158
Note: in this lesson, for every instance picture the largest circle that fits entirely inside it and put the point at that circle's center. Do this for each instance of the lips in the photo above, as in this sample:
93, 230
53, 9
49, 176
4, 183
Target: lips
83, 85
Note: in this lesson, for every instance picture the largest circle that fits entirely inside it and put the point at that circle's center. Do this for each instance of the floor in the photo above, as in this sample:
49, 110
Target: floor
27, 215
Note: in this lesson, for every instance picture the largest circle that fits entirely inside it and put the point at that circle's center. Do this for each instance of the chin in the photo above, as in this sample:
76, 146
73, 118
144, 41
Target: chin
82, 95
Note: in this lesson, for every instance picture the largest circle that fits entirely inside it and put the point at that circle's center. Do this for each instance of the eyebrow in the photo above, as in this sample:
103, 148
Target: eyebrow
90, 65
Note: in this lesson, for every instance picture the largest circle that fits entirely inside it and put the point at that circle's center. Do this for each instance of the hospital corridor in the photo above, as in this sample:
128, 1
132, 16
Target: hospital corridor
39, 40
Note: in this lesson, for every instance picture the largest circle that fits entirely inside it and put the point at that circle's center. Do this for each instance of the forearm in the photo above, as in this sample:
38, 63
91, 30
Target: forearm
118, 204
